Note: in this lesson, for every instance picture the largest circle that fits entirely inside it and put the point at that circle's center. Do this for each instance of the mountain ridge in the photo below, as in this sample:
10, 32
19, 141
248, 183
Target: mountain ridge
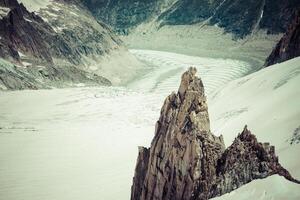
60, 45
239, 17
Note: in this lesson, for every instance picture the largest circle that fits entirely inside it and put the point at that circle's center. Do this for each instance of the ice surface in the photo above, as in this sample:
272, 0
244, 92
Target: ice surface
82, 143
167, 69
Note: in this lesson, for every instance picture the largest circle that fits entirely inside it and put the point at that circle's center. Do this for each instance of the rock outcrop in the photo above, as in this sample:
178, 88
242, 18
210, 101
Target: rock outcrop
246, 160
186, 161
289, 45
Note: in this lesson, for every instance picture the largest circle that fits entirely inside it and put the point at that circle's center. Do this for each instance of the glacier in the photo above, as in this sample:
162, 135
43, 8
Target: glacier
80, 143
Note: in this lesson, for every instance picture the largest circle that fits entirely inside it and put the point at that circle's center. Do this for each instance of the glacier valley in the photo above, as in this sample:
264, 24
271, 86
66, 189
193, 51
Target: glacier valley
81, 143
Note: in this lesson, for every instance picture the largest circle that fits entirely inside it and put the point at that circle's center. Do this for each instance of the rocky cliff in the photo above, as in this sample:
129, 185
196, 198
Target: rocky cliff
241, 17
186, 161
289, 45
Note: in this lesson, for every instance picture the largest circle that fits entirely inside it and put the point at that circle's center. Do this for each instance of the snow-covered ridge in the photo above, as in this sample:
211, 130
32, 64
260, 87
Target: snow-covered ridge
35, 5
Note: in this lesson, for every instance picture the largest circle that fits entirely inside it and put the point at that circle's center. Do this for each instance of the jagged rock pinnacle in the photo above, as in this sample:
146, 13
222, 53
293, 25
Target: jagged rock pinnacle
186, 161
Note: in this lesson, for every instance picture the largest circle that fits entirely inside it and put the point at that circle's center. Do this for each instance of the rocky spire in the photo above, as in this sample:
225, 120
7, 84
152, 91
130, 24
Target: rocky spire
186, 161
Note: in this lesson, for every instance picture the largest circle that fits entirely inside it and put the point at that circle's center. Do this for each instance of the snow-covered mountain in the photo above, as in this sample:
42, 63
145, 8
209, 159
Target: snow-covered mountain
59, 44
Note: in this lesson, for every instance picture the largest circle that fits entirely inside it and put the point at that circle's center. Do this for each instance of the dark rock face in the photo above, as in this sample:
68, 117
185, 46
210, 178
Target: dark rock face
123, 14
17, 33
289, 45
140, 172
189, 12
278, 15
186, 161
240, 17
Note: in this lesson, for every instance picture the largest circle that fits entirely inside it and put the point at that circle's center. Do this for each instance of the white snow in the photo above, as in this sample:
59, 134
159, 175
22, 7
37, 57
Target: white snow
271, 188
21, 54
168, 67
80, 143
202, 40
28, 20
119, 66
3, 11
26, 64
35, 5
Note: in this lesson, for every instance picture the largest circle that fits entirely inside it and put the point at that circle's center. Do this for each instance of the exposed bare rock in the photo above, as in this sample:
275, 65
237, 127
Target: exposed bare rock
140, 172
289, 45
183, 149
186, 161
246, 160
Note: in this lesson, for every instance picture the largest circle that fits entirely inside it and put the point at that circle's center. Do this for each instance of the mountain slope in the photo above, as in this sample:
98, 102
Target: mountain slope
124, 15
241, 17
289, 45
61, 44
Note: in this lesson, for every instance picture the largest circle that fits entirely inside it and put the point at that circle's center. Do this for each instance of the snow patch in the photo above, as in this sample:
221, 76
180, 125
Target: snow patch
4, 11
35, 5
21, 54
28, 20
26, 64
